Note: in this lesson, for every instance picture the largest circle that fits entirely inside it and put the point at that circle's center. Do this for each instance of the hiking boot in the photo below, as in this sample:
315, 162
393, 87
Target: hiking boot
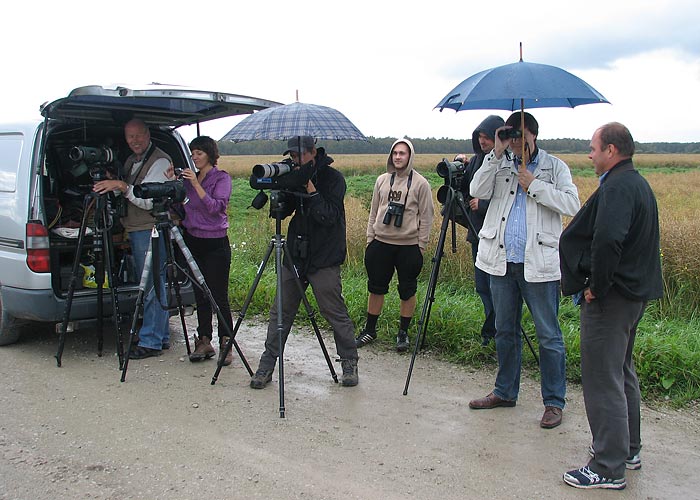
585, 478
229, 356
633, 462
402, 341
202, 349
350, 377
260, 379
365, 338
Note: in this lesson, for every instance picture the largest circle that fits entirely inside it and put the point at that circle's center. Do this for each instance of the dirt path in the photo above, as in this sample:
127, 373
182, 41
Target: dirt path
167, 433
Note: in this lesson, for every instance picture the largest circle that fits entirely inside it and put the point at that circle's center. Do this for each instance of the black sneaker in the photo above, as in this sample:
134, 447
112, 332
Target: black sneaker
402, 341
365, 338
139, 352
260, 379
587, 479
633, 462
350, 377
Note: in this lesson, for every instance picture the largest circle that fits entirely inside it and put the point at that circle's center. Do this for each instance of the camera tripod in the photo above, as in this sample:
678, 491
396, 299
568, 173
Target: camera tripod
279, 245
104, 257
454, 200
164, 228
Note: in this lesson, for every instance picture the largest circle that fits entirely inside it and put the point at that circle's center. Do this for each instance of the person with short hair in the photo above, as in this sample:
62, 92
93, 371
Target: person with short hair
317, 244
518, 247
611, 263
398, 231
147, 163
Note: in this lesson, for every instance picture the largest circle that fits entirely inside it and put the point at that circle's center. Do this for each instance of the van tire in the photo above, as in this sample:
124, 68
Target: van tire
10, 327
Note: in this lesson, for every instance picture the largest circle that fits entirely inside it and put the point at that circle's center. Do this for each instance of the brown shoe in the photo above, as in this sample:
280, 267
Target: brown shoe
490, 401
551, 418
229, 356
202, 349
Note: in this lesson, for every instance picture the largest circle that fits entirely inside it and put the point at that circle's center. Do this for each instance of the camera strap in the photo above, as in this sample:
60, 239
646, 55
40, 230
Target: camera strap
151, 149
408, 184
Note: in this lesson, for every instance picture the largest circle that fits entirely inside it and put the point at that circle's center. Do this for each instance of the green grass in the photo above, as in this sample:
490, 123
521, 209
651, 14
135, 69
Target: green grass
667, 353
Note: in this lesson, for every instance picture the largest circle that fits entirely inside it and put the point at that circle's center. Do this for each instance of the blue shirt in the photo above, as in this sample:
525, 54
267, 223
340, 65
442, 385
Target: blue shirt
516, 226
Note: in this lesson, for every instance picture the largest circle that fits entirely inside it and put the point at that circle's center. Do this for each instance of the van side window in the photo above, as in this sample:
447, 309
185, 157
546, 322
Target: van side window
10, 154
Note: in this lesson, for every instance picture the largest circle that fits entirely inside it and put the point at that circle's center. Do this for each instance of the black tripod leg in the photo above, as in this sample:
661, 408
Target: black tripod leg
201, 282
279, 248
174, 284
139, 307
529, 344
430, 292
114, 291
244, 309
311, 314
72, 282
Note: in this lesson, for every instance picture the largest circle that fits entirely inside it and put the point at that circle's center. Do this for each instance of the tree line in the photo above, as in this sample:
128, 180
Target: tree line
381, 145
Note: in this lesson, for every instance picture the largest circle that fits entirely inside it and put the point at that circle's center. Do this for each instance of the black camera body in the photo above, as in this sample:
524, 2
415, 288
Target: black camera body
172, 190
92, 161
284, 175
509, 133
394, 210
447, 169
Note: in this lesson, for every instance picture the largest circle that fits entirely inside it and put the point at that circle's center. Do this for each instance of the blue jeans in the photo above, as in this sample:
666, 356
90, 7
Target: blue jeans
542, 300
483, 288
154, 331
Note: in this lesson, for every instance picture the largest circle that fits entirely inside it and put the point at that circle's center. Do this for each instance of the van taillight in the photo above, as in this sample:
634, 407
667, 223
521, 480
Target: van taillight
37, 247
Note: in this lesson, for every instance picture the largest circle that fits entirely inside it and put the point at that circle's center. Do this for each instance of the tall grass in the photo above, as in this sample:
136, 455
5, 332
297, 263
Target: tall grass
668, 346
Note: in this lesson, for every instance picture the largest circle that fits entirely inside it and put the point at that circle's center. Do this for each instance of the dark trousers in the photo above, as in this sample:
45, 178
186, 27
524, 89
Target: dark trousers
213, 257
610, 384
327, 289
483, 288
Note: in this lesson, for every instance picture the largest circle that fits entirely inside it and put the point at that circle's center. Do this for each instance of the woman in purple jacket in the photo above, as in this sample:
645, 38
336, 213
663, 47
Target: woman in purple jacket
206, 225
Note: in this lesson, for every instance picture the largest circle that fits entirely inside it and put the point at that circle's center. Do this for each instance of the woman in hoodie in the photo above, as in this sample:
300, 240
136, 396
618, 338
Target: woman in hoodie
400, 220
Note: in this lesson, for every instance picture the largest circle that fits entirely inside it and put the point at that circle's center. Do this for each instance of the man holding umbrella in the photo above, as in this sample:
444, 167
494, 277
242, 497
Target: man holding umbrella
518, 247
316, 242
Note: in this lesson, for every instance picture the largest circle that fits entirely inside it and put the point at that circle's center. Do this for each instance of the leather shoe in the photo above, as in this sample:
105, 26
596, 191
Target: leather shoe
551, 418
490, 401
139, 352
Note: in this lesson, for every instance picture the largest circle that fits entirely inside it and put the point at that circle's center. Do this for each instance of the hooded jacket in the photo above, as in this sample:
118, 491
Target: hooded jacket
316, 233
487, 127
418, 211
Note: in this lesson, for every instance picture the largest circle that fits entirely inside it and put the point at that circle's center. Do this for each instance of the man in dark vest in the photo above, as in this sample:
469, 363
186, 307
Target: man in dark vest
147, 163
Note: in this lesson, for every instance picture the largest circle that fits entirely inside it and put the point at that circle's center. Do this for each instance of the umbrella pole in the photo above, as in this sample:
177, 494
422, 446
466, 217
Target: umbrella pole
522, 126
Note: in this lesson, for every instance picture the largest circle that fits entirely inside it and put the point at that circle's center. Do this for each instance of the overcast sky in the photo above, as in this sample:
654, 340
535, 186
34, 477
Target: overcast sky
384, 64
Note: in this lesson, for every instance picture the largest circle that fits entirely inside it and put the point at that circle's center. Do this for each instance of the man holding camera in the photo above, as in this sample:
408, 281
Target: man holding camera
483, 141
316, 241
147, 163
518, 247
398, 230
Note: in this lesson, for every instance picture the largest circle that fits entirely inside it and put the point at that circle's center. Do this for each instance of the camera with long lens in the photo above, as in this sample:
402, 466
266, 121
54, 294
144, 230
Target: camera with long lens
273, 169
173, 191
509, 133
91, 160
394, 210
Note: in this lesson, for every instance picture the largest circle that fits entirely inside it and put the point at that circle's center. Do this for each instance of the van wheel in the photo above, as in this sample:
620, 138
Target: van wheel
10, 327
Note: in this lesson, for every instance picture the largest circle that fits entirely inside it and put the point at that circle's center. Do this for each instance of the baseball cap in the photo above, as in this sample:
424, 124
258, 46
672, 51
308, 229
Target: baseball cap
307, 143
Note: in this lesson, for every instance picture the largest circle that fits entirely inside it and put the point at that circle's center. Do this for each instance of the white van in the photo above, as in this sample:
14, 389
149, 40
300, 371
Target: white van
43, 186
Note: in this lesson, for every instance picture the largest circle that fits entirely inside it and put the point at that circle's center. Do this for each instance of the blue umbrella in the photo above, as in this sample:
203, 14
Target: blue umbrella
294, 120
521, 85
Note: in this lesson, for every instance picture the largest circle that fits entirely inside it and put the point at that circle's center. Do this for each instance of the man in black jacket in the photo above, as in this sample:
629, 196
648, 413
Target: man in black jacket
316, 243
483, 139
610, 260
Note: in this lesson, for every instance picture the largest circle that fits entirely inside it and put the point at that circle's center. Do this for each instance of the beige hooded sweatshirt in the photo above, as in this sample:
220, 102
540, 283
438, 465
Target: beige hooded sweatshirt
417, 200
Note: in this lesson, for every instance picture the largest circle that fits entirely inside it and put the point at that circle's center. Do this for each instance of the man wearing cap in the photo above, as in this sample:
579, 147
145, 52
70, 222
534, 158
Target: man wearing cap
316, 243
519, 248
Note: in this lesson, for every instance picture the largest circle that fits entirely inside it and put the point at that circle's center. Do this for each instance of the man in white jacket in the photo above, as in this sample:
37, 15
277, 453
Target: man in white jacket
518, 247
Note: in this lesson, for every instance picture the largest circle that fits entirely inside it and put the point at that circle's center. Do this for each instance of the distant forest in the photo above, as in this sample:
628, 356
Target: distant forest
381, 145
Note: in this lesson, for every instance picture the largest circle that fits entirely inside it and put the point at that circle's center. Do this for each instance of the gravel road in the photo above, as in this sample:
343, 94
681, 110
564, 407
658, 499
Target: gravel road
167, 433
